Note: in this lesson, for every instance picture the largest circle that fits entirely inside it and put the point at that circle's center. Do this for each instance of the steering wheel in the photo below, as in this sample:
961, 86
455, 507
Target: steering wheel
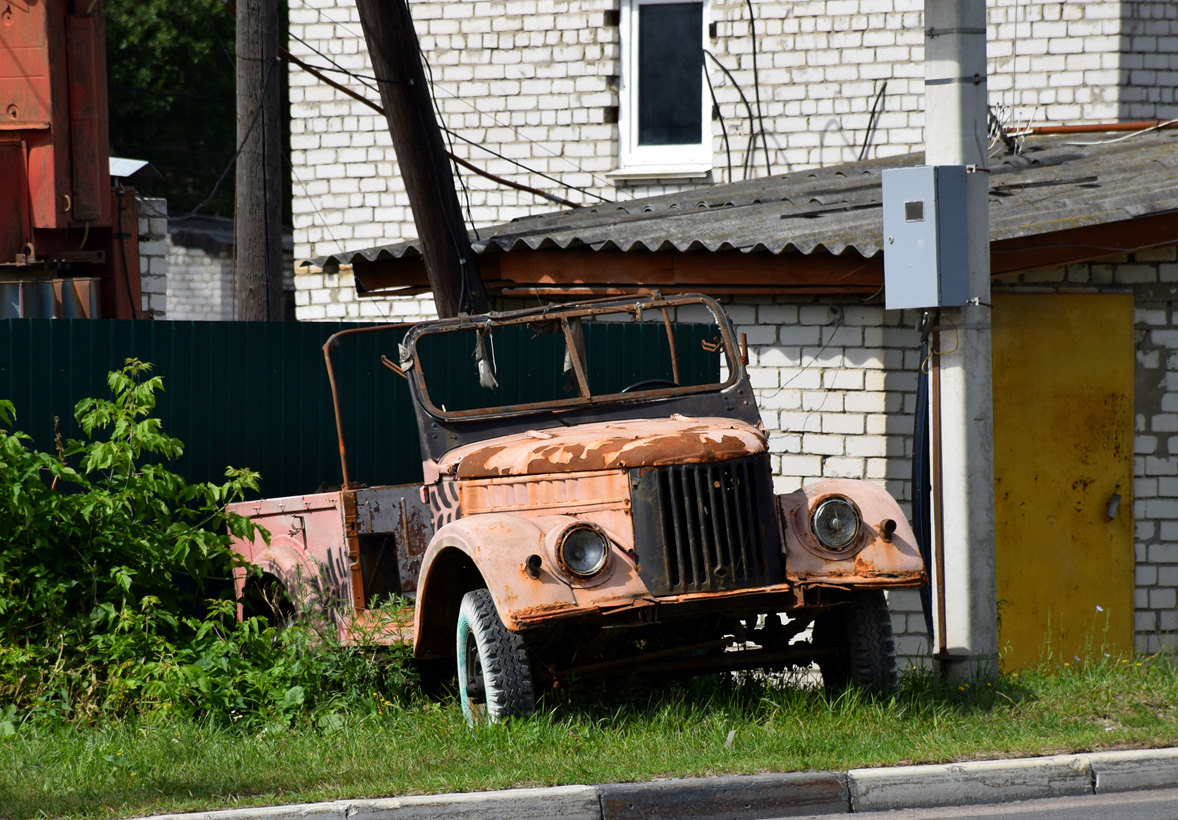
645, 383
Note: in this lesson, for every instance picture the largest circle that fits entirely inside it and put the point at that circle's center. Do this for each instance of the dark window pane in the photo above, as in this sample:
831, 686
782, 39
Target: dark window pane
670, 62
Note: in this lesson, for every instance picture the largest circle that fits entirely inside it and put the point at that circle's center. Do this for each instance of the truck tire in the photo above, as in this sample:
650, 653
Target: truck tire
861, 633
494, 675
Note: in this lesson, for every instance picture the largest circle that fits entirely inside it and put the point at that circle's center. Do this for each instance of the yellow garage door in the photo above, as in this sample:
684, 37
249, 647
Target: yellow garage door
1063, 460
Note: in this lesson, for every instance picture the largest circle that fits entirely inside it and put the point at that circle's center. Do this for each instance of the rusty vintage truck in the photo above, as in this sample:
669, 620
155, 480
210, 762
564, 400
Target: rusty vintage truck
597, 499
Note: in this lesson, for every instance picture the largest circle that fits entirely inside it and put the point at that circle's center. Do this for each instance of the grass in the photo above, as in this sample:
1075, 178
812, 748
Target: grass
617, 732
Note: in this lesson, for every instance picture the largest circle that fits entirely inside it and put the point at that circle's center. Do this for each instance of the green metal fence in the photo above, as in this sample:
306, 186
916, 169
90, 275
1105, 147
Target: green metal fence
236, 393
256, 394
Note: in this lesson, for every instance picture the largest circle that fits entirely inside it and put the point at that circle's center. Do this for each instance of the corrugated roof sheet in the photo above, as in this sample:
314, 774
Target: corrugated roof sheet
1055, 184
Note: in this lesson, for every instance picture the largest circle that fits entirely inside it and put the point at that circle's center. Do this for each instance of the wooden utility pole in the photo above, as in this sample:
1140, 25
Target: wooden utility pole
258, 224
450, 262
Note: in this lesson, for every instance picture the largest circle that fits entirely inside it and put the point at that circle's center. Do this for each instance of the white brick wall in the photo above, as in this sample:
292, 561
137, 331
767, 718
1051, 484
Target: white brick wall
200, 273
200, 286
153, 257
332, 297
1155, 485
836, 384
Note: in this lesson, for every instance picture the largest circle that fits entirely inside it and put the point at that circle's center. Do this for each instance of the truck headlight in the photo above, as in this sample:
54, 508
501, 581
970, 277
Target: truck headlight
835, 523
583, 550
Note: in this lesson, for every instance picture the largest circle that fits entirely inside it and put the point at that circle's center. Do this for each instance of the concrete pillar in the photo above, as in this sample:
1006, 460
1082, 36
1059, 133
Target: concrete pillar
964, 596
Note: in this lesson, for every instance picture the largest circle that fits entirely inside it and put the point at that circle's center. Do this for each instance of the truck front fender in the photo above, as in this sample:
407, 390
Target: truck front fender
481, 551
492, 551
884, 555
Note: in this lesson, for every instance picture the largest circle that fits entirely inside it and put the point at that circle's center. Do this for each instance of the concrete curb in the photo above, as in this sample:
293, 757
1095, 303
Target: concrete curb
558, 803
1130, 771
764, 795
727, 798
959, 784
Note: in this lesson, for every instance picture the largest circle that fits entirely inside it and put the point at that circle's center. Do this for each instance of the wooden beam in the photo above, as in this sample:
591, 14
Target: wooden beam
583, 271
1076, 245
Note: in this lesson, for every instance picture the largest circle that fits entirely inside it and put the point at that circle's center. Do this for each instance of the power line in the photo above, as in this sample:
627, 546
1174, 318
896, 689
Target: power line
314, 71
519, 164
429, 70
757, 85
240, 148
439, 89
751, 148
336, 67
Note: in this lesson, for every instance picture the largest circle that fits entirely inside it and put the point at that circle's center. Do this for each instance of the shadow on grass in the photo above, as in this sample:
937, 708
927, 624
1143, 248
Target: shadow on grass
757, 696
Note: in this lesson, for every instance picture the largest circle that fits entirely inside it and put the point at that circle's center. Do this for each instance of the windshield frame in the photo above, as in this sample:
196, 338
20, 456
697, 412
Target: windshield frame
411, 362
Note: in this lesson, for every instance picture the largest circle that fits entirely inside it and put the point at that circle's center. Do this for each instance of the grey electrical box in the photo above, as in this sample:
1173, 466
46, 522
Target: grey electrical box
924, 230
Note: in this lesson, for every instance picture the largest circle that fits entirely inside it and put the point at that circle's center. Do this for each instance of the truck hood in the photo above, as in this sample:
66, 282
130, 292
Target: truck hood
607, 446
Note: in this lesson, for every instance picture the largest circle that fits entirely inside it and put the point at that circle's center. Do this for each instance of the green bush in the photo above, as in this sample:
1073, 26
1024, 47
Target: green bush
115, 586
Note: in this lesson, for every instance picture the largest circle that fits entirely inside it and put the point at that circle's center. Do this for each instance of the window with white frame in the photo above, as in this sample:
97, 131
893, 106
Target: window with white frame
664, 123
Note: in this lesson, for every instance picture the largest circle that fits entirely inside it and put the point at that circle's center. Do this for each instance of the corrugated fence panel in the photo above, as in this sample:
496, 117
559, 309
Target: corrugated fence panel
243, 394
256, 395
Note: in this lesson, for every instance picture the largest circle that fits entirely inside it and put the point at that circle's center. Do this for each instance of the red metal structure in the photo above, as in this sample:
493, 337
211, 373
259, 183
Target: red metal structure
68, 238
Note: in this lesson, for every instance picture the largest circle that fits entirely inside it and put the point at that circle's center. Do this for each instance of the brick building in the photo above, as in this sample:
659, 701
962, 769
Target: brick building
200, 266
554, 90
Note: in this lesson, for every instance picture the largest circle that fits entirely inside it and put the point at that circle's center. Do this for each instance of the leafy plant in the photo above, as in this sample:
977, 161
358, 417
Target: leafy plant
116, 590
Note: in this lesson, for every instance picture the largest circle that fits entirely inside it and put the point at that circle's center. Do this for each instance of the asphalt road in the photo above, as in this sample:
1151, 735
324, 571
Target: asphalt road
1159, 804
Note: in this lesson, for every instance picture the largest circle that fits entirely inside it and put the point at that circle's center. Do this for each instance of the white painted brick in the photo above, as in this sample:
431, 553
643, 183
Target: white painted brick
843, 468
850, 424
843, 380
801, 422
823, 444
804, 465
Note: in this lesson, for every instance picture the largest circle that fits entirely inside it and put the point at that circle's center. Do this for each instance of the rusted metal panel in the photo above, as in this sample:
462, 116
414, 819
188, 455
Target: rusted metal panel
33, 70
15, 230
1063, 368
308, 551
312, 543
400, 513
600, 497
663, 608
76, 298
89, 145
883, 554
607, 446
26, 70
548, 495
352, 538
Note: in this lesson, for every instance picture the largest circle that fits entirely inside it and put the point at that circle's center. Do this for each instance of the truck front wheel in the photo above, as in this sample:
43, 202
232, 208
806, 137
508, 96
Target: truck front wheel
494, 675
860, 632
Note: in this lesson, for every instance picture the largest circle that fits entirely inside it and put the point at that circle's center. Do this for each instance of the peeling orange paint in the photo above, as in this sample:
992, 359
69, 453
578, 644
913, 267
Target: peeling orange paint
609, 446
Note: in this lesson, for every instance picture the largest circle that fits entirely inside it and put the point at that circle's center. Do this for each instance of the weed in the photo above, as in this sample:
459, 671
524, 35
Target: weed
115, 587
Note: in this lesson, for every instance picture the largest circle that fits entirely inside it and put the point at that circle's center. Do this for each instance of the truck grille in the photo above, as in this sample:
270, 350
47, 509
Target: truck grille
706, 527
